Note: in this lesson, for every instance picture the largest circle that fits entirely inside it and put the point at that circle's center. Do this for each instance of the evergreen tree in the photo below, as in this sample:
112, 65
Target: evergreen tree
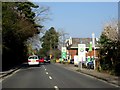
18, 25
50, 42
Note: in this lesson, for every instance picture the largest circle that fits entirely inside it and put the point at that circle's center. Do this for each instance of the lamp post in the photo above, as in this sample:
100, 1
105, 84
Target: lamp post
93, 45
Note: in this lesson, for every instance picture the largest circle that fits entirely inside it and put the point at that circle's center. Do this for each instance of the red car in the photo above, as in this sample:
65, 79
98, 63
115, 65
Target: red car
41, 60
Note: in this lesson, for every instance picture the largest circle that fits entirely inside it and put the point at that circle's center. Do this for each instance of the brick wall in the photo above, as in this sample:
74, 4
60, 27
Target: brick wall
73, 52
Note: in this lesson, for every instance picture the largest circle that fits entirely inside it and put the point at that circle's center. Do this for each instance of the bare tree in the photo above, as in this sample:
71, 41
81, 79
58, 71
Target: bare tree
42, 14
62, 37
119, 30
111, 31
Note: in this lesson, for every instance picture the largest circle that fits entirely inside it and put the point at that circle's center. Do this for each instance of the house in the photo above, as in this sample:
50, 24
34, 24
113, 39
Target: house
72, 47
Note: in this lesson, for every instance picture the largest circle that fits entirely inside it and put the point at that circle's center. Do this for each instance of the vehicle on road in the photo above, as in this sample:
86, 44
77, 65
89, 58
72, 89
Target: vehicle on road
33, 60
41, 60
65, 61
72, 61
47, 60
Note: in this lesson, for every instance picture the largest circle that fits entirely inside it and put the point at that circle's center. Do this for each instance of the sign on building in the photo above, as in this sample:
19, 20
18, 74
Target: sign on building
81, 52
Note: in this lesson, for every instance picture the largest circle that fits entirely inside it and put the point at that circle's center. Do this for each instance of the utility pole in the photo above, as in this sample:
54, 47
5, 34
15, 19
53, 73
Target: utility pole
93, 45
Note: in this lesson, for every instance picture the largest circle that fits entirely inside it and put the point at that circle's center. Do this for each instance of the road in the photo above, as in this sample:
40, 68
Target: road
51, 76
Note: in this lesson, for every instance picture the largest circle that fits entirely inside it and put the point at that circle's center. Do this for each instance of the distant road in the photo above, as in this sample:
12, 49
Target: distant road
51, 76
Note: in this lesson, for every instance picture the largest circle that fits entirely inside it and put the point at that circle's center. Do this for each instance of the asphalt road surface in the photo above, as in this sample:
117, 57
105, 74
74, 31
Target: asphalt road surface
51, 76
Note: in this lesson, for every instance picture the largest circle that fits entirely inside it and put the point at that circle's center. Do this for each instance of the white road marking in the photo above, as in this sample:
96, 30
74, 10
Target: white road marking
45, 69
56, 88
50, 77
10, 75
46, 72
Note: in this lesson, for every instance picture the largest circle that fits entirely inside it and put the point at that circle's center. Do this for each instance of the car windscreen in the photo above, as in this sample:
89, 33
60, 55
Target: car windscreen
35, 57
31, 58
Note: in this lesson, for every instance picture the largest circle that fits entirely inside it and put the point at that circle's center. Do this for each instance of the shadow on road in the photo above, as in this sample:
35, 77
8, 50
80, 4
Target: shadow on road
46, 63
23, 66
26, 66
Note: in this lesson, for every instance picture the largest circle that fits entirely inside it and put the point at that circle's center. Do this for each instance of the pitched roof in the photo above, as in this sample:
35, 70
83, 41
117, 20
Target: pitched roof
76, 41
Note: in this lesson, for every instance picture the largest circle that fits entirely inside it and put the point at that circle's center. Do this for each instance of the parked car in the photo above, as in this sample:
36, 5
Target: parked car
65, 61
47, 60
72, 61
33, 60
41, 60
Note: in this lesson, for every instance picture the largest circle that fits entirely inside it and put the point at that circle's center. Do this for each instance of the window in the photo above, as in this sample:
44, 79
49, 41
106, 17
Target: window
31, 58
35, 57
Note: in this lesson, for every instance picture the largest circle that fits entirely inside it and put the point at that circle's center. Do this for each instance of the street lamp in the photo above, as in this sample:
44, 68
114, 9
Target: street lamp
93, 45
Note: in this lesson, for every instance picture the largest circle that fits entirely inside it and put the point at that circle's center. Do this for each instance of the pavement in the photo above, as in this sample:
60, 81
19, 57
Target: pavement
99, 75
9, 72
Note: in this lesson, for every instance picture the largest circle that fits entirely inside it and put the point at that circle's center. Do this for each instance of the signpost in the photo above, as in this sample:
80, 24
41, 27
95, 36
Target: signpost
64, 52
81, 53
93, 45
64, 55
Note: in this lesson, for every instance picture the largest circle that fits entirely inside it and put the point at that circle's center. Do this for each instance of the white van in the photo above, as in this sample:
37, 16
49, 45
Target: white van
33, 60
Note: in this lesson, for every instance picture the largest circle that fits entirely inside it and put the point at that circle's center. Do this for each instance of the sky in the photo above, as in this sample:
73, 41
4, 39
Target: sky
80, 19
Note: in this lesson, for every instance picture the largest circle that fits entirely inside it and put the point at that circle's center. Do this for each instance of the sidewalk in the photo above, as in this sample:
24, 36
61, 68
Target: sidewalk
9, 72
104, 76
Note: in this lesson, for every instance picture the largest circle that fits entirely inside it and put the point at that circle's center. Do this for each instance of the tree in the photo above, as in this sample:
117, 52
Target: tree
62, 37
111, 31
109, 49
24, 10
41, 15
50, 41
18, 25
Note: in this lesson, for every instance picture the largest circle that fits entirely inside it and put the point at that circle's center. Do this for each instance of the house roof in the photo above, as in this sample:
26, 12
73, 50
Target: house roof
76, 41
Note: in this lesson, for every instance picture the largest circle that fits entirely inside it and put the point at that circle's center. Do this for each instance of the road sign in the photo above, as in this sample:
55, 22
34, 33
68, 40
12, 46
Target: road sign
63, 49
63, 52
81, 52
90, 47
